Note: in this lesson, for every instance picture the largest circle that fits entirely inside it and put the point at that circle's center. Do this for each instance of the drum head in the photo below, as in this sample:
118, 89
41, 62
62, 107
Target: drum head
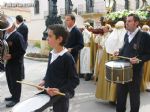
145, 108
32, 104
117, 64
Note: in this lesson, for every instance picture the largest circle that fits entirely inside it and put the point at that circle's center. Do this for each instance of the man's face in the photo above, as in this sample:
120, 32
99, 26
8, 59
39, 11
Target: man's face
9, 30
69, 22
17, 22
131, 24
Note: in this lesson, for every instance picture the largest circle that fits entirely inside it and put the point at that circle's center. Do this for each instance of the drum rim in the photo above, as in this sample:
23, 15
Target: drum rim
118, 82
119, 67
128, 64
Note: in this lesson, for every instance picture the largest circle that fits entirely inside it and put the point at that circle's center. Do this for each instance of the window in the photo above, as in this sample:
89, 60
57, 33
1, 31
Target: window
36, 7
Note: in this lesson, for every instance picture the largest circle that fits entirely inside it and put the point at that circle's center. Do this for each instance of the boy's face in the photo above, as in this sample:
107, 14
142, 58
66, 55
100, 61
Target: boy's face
52, 41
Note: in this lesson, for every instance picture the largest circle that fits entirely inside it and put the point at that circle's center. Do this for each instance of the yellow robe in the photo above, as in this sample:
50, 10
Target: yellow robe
92, 52
145, 76
105, 90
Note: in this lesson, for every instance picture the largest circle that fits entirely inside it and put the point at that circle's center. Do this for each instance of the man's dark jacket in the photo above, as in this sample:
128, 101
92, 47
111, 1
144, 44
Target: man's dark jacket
23, 29
75, 41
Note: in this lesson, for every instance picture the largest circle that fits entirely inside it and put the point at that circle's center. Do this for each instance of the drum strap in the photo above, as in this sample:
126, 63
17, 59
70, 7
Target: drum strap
125, 41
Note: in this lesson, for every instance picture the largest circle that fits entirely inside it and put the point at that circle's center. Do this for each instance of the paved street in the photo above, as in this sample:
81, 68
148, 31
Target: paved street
84, 100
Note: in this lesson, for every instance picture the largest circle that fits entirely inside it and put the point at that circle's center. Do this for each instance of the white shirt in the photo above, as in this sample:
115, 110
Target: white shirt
8, 34
69, 29
19, 24
56, 55
132, 34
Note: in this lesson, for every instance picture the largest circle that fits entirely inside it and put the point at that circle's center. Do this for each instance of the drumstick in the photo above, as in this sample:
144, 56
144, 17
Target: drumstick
27, 83
125, 57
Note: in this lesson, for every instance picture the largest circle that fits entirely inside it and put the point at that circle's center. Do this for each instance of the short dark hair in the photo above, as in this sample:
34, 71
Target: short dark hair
72, 17
59, 30
19, 18
135, 17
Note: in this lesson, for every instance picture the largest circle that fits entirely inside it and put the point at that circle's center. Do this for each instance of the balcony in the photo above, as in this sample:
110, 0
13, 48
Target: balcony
99, 8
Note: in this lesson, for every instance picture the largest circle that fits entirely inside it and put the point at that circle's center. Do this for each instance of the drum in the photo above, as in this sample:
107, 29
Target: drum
119, 71
145, 108
33, 104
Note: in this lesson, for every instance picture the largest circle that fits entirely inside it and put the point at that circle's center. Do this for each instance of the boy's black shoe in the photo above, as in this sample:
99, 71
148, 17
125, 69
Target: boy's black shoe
8, 99
11, 104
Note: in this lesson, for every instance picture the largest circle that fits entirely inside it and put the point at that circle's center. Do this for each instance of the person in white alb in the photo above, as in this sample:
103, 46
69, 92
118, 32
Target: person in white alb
85, 53
116, 38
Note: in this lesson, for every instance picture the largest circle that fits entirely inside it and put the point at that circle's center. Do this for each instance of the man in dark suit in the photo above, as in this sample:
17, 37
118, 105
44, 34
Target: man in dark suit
23, 29
75, 41
14, 64
136, 47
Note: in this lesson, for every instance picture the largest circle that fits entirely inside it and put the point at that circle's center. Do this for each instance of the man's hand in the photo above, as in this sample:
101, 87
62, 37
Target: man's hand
134, 60
7, 57
52, 91
116, 53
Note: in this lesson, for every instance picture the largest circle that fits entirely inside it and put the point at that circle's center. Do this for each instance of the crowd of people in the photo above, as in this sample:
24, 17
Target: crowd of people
61, 76
87, 52
125, 39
